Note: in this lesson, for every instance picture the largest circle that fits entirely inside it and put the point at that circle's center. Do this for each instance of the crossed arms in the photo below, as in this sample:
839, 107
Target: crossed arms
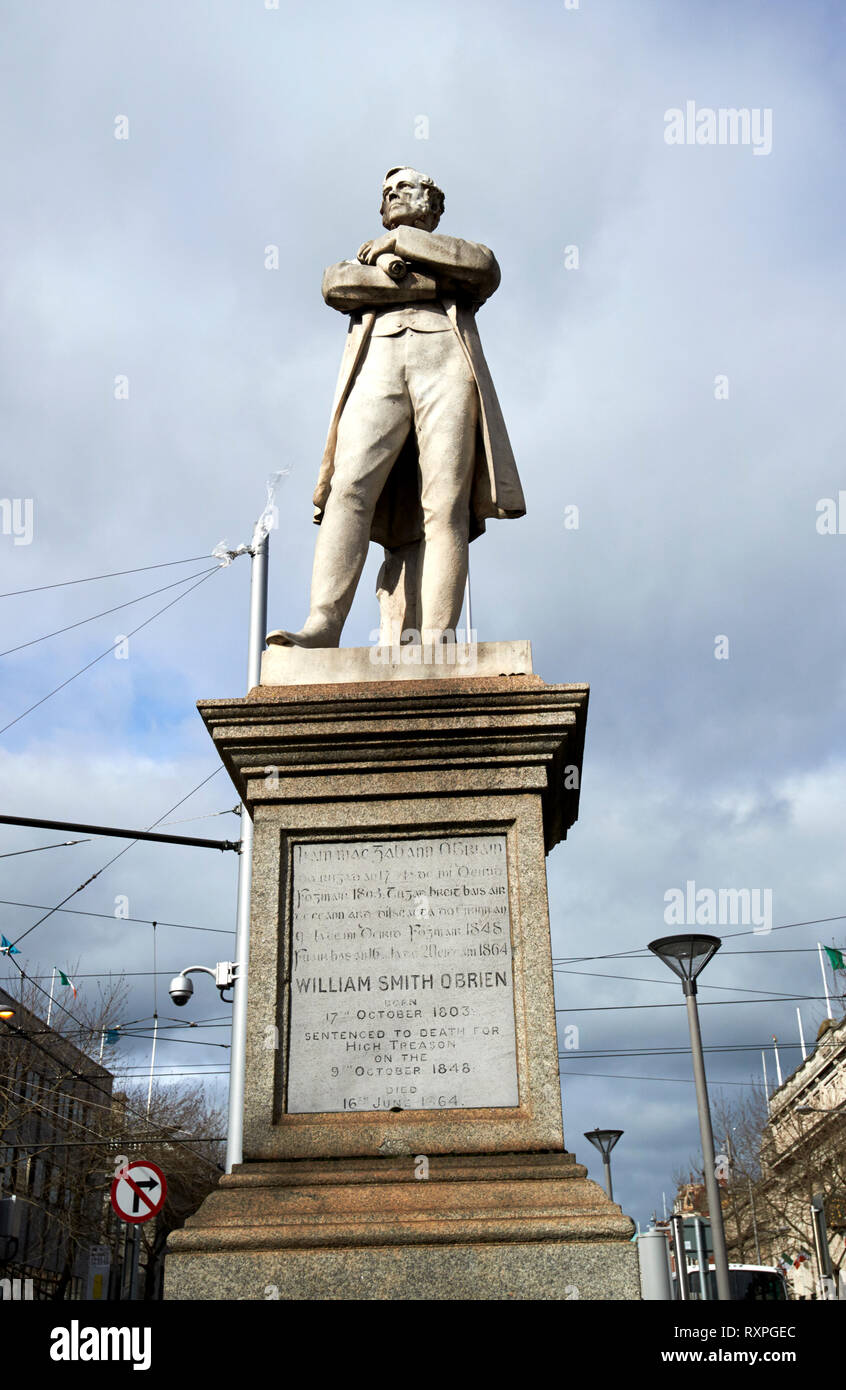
437, 265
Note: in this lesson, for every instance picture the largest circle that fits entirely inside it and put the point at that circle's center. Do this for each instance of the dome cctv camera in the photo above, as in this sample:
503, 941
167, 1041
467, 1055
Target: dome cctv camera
180, 989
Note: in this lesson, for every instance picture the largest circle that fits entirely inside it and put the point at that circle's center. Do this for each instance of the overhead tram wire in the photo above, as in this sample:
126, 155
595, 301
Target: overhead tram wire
774, 951
113, 1142
115, 574
70, 1070
627, 1076
560, 961
110, 916
114, 859
199, 1071
82, 1076
125, 1029
584, 1054
106, 611
652, 980
726, 936
187, 820
50, 1112
93, 1105
703, 1003
128, 975
205, 578
62, 844
189, 1042
105, 1141
207, 574
141, 1073
595, 1054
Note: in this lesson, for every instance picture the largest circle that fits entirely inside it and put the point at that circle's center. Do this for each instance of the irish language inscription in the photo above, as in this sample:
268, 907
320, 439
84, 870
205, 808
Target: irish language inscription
402, 992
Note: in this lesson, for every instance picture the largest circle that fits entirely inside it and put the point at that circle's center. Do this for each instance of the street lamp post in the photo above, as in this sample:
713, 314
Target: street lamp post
687, 957
238, 1056
604, 1140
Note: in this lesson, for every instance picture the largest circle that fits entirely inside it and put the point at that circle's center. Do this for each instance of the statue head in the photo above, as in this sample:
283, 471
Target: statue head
410, 199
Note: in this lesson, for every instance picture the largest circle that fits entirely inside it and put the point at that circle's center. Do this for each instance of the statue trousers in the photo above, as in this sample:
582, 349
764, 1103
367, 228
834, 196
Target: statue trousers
411, 380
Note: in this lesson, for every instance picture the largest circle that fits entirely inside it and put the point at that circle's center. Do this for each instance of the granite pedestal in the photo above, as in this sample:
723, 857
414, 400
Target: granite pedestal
402, 1129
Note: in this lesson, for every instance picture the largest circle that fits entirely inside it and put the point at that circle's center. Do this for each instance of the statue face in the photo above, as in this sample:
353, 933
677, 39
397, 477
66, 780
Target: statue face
405, 201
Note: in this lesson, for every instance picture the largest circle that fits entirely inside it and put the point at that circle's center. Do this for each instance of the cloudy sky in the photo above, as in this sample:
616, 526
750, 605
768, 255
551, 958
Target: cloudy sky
681, 387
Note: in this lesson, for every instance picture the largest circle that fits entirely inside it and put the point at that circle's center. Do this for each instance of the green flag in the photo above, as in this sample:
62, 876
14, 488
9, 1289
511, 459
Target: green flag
65, 980
835, 958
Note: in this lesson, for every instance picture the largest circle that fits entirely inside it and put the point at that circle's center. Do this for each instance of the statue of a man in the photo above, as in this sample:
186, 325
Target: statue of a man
418, 455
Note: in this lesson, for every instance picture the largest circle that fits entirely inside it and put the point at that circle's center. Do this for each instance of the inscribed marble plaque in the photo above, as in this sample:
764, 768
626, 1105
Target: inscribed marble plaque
401, 993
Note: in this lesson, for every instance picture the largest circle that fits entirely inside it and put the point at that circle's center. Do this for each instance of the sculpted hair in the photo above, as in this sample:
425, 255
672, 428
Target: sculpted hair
437, 201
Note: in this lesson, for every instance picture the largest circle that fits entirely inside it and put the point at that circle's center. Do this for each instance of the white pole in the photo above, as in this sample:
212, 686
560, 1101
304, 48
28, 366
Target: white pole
701, 1260
102, 1040
825, 981
801, 1035
152, 1062
50, 1005
777, 1061
237, 1059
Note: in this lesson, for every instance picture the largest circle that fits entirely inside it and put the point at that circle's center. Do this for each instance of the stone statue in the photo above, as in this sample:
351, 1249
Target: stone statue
418, 455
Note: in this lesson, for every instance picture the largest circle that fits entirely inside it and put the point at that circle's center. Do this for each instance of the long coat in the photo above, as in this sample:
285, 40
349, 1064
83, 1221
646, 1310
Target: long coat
470, 273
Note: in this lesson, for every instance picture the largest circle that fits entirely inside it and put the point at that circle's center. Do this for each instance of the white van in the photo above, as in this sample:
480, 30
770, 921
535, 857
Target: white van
749, 1284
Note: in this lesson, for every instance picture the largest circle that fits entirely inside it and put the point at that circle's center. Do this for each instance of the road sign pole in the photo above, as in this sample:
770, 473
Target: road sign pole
125, 1267
133, 1269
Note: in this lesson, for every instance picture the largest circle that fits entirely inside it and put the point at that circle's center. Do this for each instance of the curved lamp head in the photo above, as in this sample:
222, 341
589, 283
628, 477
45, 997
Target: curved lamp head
686, 955
604, 1139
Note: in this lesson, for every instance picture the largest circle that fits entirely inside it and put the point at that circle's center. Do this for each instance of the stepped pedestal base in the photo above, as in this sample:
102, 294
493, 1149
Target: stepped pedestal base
523, 1226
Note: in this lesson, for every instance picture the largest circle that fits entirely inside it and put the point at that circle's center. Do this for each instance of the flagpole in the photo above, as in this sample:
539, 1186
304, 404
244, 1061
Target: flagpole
152, 1062
801, 1035
50, 1005
102, 1040
777, 1060
825, 981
